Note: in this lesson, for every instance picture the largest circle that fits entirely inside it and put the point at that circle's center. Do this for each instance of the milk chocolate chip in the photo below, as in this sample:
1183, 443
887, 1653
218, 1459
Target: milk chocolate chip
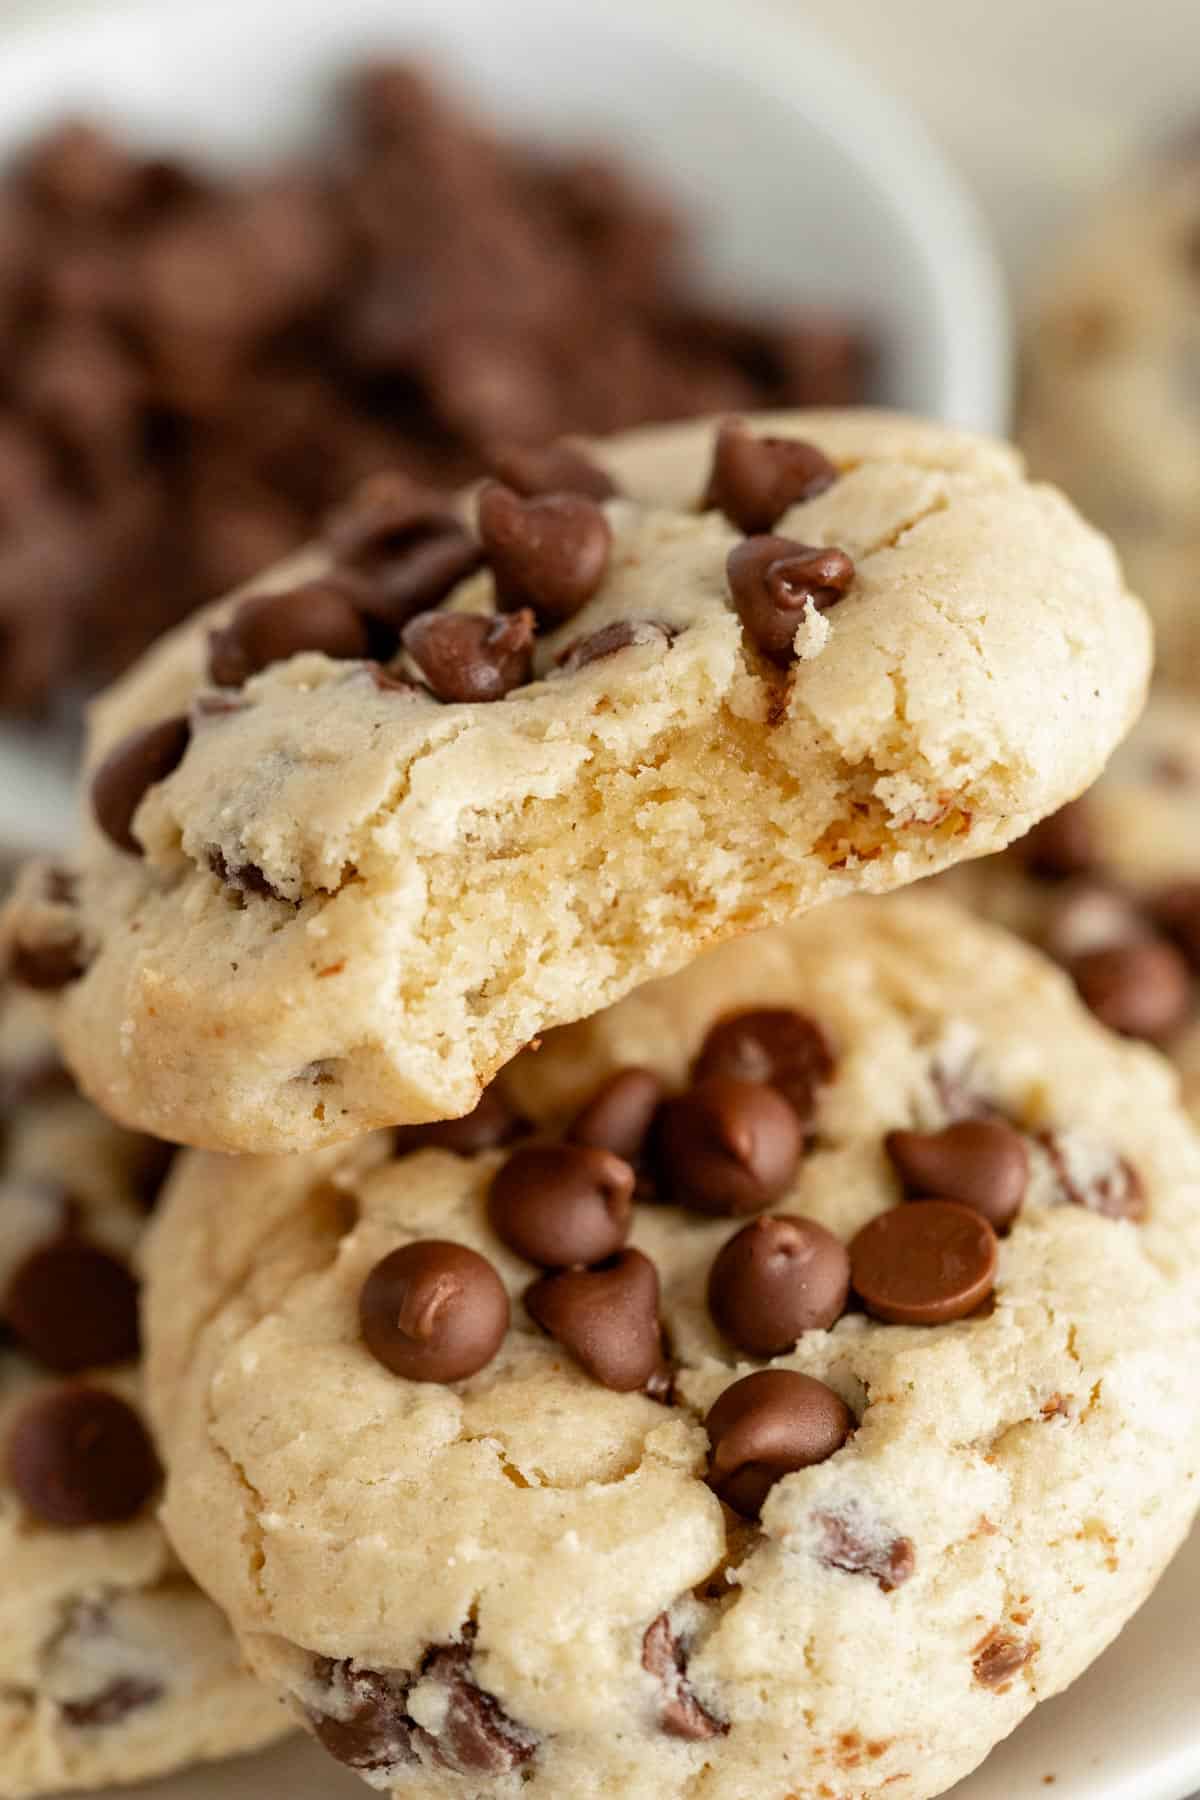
73, 1307
606, 1316
270, 628
984, 1163
619, 1114
491, 1123
1062, 845
766, 1426
774, 580
433, 1311
78, 1455
558, 1204
550, 469
775, 1044
1142, 989
755, 479
727, 1146
775, 1279
924, 1265
129, 771
680, 1713
470, 657
550, 553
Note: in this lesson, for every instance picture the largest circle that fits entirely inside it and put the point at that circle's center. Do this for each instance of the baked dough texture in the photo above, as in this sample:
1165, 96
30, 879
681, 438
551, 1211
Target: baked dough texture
474, 1568
355, 905
113, 1666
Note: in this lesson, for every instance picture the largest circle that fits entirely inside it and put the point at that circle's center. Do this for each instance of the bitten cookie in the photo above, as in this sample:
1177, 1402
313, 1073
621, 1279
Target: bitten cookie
352, 849
113, 1666
1109, 400
1110, 887
776, 1386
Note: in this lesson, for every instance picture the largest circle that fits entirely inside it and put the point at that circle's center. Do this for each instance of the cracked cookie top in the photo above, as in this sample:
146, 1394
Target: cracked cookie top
112, 1665
463, 773
781, 1378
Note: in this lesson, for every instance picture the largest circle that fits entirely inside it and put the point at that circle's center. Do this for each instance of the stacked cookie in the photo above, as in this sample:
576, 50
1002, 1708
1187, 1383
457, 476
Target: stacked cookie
606, 1368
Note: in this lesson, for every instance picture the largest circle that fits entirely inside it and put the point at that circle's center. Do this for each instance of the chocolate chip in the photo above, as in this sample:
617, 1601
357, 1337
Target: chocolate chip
727, 1146
48, 965
774, 580
680, 1713
924, 1265
475, 1735
270, 628
242, 878
433, 1311
550, 469
984, 1163
407, 544
371, 1729
775, 1279
1142, 989
550, 553
766, 1426
754, 480
784, 1048
606, 1316
558, 1204
1176, 910
78, 1455
490, 1124
1093, 1176
847, 1545
622, 634
619, 1114
73, 1307
1062, 845
113, 1704
470, 657
998, 1657
129, 771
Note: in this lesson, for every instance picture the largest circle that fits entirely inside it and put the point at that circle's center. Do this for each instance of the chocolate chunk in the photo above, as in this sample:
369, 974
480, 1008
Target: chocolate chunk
550, 553
1092, 1175
558, 1204
78, 1455
550, 469
433, 1311
470, 657
983, 1163
1062, 845
775, 1044
622, 634
728, 1146
113, 1704
476, 1736
1142, 989
775, 1279
774, 581
754, 480
847, 1545
619, 1114
127, 773
998, 1657
490, 1124
371, 1729
270, 628
680, 1713
924, 1265
606, 1316
73, 1307
766, 1426
1176, 910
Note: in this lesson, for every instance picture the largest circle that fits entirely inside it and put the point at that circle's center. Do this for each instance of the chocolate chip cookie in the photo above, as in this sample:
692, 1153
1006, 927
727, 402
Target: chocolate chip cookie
112, 1665
465, 772
780, 1383
1110, 887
